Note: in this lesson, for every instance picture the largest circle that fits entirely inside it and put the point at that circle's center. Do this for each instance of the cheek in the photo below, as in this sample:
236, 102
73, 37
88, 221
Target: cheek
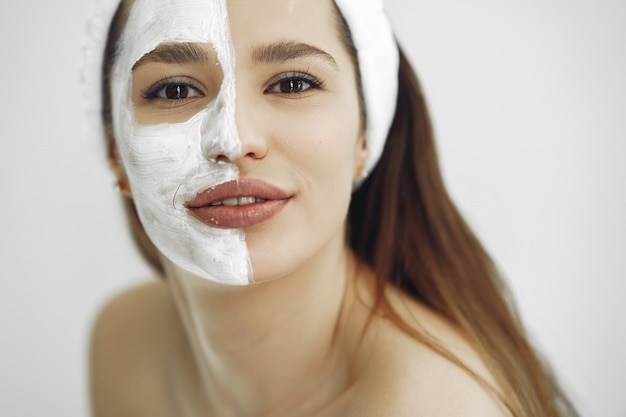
166, 169
315, 153
320, 141
159, 159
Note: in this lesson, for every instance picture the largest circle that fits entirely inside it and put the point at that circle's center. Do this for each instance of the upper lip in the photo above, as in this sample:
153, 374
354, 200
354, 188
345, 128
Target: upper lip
243, 187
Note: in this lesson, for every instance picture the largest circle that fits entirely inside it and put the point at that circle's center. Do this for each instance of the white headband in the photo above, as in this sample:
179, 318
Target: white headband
378, 62
372, 36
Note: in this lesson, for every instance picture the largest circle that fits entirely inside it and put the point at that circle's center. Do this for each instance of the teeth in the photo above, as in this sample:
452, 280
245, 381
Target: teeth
238, 201
230, 202
246, 200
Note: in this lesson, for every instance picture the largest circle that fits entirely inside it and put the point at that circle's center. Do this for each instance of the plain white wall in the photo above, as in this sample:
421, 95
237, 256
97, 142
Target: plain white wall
529, 104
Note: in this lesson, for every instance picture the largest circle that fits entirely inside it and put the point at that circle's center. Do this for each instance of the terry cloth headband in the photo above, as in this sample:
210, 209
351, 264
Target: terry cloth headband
378, 63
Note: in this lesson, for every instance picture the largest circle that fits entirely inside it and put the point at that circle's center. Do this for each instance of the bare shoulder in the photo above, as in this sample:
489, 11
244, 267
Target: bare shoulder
407, 378
126, 343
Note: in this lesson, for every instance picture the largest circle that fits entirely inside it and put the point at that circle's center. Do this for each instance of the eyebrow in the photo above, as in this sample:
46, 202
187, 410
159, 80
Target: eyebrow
280, 52
189, 53
177, 53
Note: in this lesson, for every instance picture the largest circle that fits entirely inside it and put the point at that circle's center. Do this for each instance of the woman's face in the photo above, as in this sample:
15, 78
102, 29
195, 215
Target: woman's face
238, 127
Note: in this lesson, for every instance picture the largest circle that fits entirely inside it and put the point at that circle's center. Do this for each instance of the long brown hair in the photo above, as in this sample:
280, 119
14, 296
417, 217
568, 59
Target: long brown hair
404, 225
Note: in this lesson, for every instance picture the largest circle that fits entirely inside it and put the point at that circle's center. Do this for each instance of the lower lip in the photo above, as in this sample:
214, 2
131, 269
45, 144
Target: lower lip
238, 217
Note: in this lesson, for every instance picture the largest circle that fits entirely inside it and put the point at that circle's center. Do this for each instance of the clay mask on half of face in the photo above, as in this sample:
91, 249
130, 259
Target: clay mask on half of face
167, 163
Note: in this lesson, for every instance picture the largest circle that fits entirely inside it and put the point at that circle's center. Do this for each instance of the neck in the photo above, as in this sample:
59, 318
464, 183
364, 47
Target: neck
264, 349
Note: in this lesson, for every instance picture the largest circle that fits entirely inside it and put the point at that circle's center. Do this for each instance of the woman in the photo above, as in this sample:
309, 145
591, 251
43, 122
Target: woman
239, 132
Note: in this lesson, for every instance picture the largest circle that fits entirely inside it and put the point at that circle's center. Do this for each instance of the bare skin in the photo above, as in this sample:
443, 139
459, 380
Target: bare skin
144, 362
299, 343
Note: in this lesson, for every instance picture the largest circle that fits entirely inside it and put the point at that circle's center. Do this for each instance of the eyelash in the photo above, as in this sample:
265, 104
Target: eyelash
303, 77
153, 93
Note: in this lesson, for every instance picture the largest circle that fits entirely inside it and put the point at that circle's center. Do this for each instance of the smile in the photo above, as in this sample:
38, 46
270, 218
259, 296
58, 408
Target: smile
238, 201
246, 202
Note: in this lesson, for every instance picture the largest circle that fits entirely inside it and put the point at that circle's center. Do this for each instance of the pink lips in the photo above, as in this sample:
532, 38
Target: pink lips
238, 204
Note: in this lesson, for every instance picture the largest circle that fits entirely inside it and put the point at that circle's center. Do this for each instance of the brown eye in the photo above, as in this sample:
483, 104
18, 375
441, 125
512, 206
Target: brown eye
173, 90
291, 86
176, 92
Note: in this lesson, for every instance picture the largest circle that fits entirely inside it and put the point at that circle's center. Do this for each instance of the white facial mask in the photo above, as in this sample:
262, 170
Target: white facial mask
167, 164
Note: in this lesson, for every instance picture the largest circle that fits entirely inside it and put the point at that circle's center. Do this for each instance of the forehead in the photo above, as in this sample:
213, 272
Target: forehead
227, 23
276, 18
153, 22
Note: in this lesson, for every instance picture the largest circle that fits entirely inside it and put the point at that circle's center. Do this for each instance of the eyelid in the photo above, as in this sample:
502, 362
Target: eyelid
314, 82
151, 93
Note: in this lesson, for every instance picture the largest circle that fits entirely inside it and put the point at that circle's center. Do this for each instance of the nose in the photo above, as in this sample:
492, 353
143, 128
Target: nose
234, 133
219, 133
250, 122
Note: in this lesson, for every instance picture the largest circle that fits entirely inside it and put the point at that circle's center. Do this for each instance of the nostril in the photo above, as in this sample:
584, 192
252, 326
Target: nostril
218, 158
255, 155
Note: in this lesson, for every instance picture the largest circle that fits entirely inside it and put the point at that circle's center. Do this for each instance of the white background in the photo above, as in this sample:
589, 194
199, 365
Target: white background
529, 104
